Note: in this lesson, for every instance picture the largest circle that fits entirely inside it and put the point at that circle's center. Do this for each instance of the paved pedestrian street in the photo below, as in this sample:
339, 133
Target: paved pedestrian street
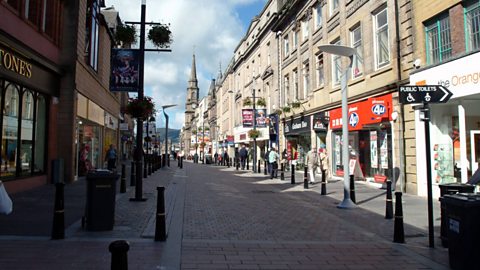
221, 218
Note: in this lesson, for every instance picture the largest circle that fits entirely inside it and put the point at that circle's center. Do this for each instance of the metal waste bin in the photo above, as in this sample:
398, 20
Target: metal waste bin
100, 208
463, 211
449, 189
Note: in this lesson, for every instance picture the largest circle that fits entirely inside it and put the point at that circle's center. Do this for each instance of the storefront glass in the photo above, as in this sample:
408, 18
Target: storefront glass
25, 156
90, 147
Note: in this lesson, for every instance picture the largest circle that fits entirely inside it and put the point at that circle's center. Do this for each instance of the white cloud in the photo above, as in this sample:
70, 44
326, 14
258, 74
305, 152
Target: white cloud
211, 28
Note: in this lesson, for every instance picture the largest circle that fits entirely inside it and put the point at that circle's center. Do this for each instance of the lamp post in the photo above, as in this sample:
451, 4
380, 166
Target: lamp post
350, 53
254, 128
166, 128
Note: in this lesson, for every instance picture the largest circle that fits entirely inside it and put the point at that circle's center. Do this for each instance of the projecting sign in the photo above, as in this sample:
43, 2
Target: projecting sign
424, 94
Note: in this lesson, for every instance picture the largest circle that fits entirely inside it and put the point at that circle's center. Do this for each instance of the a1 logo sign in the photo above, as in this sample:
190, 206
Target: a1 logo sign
378, 109
353, 119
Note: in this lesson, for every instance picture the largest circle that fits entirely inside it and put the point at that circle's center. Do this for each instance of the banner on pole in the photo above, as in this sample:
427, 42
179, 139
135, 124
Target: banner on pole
124, 75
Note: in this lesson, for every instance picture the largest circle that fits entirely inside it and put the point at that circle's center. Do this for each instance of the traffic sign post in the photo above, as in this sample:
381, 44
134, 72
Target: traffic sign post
410, 94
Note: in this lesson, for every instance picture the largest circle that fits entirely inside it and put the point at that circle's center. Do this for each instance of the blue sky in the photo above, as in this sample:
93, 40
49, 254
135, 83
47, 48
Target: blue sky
213, 28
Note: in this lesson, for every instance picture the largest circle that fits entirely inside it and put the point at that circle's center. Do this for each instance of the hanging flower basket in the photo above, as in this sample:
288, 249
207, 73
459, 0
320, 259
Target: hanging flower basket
148, 139
278, 111
254, 133
125, 34
141, 109
247, 102
295, 104
160, 35
261, 102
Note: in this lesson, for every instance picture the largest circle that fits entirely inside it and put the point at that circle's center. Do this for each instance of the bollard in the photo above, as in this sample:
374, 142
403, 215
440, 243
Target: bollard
132, 174
248, 166
119, 251
293, 175
227, 160
58, 228
388, 202
305, 177
398, 232
259, 166
237, 164
145, 173
123, 184
181, 162
282, 175
352, 188
265, 167
168, 160
160, 227
324, 183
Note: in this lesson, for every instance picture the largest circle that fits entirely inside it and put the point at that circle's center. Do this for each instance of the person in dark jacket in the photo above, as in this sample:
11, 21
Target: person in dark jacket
243, 156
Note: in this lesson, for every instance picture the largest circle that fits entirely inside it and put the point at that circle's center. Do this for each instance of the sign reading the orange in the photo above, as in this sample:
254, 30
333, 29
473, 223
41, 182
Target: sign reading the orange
12, 62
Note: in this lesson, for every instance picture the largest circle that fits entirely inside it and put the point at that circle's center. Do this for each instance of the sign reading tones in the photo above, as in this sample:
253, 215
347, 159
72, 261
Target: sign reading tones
424, 94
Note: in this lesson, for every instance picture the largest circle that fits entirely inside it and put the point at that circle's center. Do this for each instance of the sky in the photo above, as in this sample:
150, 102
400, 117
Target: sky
210, 28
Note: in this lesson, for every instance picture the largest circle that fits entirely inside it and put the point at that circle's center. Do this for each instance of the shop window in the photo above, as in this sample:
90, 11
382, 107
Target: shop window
26, 142
10, 132
381, 42
438, 40
472, 24
92, 33
40, 134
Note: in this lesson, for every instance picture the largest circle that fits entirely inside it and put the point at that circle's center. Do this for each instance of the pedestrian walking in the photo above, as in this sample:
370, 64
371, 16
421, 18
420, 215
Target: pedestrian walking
243, 156
267, 156
323, 161
312, 163
273, 159
111, 157
225, 158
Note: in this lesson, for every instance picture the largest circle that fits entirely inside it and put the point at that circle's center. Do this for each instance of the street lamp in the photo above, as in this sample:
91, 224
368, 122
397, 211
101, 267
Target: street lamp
166, 128
254, 128
350, 53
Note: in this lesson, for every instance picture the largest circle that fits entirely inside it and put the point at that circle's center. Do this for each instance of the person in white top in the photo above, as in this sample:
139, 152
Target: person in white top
312, 163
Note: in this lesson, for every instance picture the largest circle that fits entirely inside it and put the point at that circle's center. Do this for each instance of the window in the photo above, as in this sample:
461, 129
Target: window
382, 48
333, 6
320, 71
295, 85
356, 40
286, 87
269, 61
439, 45
305, 30
295, 39
336, 67
15, 4
92, 29
286, 48
32, 11
472, 23
318, 15
306, 80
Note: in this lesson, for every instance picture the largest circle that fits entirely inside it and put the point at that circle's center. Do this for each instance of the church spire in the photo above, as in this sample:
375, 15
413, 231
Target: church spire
193, 73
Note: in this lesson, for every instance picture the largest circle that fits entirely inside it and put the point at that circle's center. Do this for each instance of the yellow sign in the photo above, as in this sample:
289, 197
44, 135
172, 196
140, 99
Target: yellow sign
12, 62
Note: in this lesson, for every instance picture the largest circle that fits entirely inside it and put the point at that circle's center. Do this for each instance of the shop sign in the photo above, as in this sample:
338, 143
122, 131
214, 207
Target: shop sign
297, 126
320, 122
247, 117
123, 126
460, 76
371, 111
125, 66
13, 62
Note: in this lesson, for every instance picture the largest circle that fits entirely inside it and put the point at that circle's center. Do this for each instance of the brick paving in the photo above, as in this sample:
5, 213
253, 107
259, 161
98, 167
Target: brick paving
220, 218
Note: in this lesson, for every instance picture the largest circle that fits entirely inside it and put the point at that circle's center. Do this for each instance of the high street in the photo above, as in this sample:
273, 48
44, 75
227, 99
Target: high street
220, 218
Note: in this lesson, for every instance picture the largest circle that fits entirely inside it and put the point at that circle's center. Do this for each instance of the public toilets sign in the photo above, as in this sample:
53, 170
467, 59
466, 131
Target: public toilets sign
410, 94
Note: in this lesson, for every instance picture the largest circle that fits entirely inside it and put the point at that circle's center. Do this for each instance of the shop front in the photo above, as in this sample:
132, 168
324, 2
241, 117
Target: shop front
28, 84
370, 140
298, 139
454, 126
320, 126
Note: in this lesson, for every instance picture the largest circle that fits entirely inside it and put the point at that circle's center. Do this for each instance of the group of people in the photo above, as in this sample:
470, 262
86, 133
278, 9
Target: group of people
316, 160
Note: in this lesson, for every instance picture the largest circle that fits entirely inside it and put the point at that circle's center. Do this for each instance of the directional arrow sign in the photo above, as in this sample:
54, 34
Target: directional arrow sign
424, 94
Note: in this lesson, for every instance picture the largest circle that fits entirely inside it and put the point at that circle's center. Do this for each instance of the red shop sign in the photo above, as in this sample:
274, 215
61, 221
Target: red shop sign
371, 111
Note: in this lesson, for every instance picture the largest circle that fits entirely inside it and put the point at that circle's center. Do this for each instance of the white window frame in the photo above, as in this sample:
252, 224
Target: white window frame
294, 39
286, 46
320, 70
336, 67
306, 79
356, 43
295, 85
318, 15
286, 88
378, 30
305, 29
333, 6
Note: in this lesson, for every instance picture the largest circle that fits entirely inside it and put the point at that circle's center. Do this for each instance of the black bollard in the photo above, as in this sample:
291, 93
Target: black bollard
181, 162
132, 174
168, 160
259, 166
227, 160
282, 175
58, 228
119, 251
160, 227
293, 175
305, 177
352, 188
265, 167
398, 232
248, 166
237, 162
388, 202
324, 183
123, 184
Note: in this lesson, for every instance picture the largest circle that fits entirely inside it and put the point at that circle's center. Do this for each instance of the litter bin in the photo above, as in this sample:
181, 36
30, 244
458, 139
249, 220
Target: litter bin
463, 230
100, 208
449, 189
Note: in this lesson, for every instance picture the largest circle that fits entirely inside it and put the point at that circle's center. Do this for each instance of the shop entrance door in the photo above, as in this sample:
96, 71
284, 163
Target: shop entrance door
475, 148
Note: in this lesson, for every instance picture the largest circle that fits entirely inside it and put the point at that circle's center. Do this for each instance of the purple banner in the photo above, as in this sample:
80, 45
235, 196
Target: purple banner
125, 65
